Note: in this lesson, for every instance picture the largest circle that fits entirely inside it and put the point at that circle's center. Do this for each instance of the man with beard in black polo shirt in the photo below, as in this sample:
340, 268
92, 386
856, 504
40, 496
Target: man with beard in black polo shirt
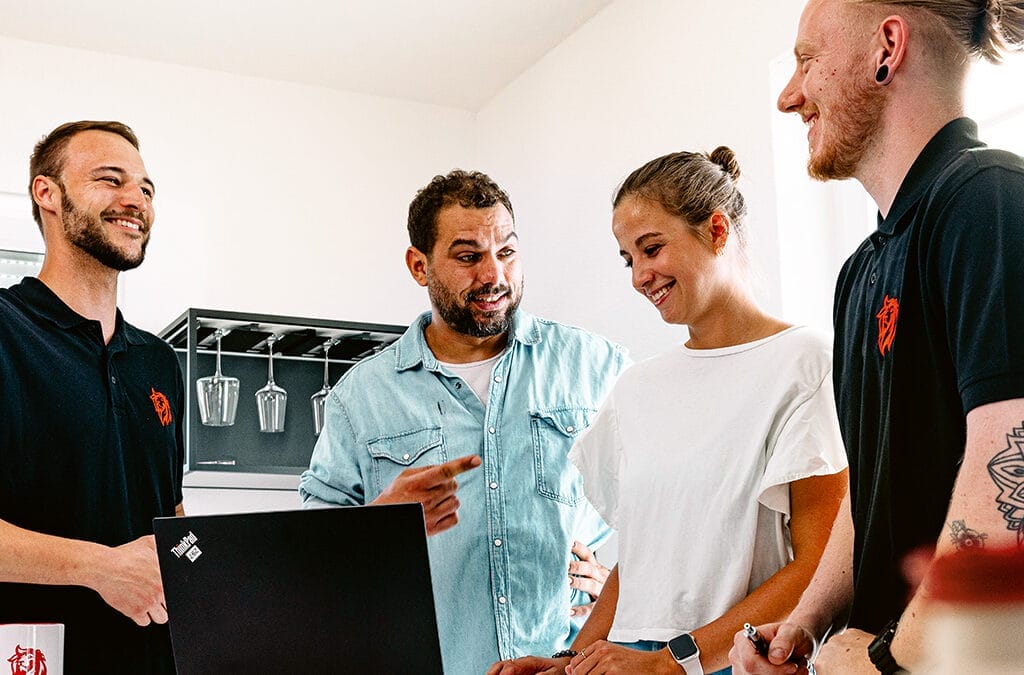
929, 363
90, 440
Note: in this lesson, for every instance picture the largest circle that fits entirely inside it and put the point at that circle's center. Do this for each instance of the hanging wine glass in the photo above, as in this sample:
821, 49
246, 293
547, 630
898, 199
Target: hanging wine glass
319, 399
271, 399
217, 395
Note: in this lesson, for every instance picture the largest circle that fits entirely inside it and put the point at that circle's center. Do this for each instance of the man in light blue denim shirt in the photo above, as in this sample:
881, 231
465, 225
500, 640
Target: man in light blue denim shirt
477, 382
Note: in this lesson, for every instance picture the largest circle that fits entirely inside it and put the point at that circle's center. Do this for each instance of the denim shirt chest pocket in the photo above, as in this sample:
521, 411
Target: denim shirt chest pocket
554, 430
391, 455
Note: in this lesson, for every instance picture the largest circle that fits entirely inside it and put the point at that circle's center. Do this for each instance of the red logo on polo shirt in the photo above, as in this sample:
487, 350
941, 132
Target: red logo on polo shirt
162, 406
27, 661
887, 317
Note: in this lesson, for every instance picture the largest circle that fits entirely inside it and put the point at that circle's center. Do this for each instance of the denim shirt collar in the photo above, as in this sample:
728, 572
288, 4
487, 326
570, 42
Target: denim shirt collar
412, 350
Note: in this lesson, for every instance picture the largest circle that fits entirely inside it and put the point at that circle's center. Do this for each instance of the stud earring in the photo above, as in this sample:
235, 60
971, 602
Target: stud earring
882, 74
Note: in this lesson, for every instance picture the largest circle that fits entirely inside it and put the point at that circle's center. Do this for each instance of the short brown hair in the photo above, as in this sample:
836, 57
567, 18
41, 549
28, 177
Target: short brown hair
48, 157
468, 189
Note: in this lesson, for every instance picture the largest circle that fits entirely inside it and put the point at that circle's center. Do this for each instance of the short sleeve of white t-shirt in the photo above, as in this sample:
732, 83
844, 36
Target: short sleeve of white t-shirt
806, 446
597, 454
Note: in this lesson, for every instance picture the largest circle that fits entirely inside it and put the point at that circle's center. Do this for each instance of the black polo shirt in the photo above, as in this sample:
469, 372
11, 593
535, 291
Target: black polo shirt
90, 448
929, 325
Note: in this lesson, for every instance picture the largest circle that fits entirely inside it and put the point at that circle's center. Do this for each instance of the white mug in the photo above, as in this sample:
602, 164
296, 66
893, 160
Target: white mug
32, 648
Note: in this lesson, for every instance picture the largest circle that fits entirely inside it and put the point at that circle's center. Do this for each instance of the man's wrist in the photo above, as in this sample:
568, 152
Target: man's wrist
91, 565
817, 626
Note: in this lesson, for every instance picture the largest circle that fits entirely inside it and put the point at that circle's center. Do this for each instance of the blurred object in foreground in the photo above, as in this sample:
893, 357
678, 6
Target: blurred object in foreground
979, 612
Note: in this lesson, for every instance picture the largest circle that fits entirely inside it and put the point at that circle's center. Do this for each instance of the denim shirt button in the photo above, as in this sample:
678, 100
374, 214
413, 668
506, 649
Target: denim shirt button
570, 429
501, 600
490, 430
405, 456
494, 486
497, 542
497, 378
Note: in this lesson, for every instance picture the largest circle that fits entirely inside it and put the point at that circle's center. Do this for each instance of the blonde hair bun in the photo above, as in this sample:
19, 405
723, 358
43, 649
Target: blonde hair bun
724, 157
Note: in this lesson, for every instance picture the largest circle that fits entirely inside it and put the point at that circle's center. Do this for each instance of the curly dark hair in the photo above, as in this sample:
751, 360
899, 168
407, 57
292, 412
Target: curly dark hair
48, 156
469, 189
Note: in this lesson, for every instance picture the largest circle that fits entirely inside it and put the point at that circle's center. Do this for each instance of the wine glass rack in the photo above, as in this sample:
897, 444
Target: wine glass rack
298, 366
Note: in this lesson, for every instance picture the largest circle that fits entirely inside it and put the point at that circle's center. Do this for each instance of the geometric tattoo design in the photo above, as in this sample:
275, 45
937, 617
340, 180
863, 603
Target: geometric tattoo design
964, 537
1007, 470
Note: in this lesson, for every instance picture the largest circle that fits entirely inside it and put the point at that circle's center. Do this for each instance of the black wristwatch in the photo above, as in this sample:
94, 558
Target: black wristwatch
878, 650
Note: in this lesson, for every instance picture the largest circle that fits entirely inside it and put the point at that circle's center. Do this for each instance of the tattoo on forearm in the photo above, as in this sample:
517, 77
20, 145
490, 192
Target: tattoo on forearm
965, 538
1007, 470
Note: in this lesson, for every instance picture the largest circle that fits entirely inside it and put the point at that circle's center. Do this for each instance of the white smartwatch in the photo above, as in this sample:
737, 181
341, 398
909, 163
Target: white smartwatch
684, 650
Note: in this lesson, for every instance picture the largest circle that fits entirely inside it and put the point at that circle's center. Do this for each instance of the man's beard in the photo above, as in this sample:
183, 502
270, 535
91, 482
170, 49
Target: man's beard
88, 234
851, 128
459, 316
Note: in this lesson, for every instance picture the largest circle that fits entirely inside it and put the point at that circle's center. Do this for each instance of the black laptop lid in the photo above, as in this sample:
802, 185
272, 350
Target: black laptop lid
337, 590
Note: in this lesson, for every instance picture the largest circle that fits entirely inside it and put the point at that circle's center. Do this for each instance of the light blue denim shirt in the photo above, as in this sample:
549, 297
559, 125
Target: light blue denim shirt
500, 576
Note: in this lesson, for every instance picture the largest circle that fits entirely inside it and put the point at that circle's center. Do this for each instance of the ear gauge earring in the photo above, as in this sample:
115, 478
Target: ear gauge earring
882, 74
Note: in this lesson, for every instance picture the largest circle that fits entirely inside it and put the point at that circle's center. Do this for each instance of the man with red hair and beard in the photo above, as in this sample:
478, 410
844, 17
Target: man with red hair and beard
929, 369
90, 436
477, 382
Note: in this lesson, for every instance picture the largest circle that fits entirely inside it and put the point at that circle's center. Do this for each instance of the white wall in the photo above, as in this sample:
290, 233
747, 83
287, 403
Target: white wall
271, 197
290, 199
643, 78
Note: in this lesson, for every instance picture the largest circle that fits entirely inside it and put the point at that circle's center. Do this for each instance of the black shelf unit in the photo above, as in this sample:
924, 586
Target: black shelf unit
298, 368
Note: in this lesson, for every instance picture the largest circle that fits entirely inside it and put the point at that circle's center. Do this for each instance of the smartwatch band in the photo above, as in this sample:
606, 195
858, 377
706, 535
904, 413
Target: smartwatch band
686, 653
879, 650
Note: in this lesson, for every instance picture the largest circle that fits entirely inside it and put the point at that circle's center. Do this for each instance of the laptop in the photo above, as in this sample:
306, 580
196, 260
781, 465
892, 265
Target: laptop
335, 590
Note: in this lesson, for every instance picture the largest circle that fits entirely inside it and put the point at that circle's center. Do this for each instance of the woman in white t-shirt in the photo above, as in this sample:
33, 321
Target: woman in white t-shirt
719, 462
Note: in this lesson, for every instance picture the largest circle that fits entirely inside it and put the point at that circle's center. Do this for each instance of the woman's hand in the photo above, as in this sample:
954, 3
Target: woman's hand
529, 665
605, 658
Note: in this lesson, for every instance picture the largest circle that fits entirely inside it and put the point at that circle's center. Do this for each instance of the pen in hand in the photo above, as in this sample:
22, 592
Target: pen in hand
760, 644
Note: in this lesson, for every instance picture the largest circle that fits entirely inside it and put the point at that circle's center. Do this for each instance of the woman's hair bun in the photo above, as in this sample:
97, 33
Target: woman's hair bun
726, 158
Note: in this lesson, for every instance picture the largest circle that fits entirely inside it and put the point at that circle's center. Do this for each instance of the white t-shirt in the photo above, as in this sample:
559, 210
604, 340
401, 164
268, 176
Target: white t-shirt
476, 374
690, 459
